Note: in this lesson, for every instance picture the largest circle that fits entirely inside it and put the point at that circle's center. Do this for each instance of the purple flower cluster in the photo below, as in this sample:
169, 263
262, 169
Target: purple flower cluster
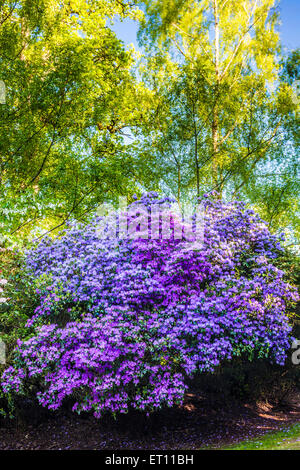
104, 363
124, 322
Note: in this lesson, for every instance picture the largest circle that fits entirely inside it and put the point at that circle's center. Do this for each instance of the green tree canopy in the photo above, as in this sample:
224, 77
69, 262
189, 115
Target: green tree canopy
70, 97
223, 114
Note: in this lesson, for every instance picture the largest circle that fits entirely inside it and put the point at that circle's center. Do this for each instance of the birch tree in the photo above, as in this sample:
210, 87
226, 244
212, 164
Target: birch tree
219, 108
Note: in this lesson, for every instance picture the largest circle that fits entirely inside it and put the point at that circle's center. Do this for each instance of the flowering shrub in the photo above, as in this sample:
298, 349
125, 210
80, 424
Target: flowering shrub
18, 300
125, 322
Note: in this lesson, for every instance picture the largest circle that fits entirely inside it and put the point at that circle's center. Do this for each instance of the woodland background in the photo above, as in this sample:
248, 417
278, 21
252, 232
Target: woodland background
206, 103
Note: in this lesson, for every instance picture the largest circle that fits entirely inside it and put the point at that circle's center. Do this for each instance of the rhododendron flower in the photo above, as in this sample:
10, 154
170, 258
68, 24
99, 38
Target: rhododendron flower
125, 323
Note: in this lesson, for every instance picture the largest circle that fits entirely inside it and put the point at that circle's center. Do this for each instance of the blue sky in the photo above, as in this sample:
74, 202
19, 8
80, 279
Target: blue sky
289, 29
290, 19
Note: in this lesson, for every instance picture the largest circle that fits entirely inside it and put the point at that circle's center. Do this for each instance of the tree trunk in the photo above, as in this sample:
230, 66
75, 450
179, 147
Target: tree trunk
215, 116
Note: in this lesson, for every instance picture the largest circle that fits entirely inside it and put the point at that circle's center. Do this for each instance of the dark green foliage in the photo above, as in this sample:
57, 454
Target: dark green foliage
250, 381
21, 301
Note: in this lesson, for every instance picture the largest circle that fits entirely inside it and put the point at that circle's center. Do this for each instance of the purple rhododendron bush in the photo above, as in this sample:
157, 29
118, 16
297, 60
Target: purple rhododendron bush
125, 323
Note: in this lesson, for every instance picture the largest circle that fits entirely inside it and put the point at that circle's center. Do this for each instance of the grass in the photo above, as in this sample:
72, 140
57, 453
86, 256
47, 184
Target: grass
285, 439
